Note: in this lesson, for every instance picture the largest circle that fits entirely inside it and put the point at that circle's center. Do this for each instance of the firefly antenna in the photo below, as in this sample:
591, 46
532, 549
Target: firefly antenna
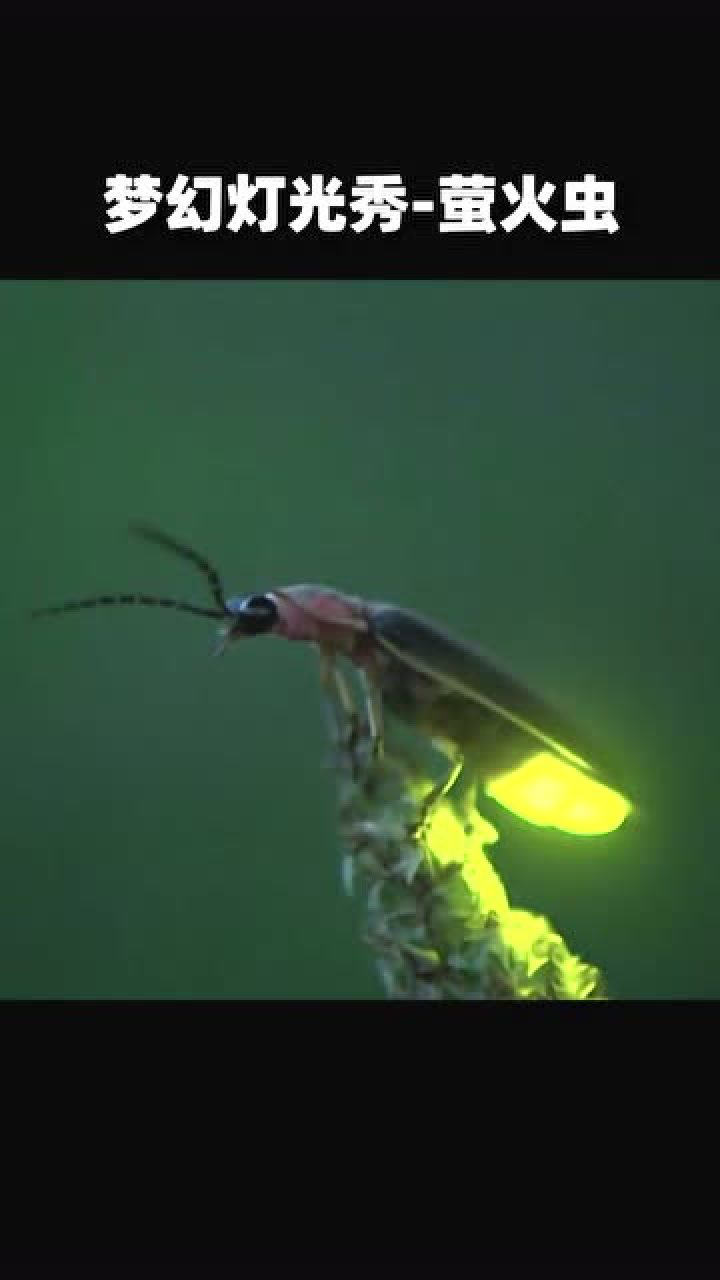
97, 601
151, 534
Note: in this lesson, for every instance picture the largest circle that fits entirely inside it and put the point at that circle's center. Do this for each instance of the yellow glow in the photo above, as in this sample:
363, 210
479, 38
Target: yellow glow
528, 936
446, 838
551, 793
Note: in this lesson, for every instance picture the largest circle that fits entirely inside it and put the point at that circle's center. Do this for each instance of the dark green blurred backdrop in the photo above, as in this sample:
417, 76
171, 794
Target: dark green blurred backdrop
535, 464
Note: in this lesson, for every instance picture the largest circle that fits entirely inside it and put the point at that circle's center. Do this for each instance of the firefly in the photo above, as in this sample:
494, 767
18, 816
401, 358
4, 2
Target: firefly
501, 736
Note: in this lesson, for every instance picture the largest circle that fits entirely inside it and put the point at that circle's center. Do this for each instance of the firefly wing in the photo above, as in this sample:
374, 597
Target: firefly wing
478, 689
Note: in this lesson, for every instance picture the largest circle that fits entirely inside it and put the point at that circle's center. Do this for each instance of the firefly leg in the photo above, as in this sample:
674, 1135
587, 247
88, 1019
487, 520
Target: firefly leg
374, 709
464, 799
336, 685
438, 792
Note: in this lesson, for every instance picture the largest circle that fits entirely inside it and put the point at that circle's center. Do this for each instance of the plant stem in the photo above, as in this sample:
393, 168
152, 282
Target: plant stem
438, 916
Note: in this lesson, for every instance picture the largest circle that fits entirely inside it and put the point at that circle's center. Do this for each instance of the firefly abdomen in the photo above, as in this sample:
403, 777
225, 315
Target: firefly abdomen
526, 753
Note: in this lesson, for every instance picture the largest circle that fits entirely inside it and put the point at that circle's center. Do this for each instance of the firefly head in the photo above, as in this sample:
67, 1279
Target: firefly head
250, 615
241, 615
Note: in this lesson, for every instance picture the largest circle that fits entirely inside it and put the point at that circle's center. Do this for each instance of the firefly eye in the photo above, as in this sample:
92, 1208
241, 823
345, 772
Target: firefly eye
254, 614
261, 604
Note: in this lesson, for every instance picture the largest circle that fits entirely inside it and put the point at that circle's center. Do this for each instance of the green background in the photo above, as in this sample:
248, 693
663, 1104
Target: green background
535, 464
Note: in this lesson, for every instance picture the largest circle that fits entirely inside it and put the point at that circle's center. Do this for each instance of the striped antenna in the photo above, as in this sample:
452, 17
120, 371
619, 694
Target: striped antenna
151, 534
95, 602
